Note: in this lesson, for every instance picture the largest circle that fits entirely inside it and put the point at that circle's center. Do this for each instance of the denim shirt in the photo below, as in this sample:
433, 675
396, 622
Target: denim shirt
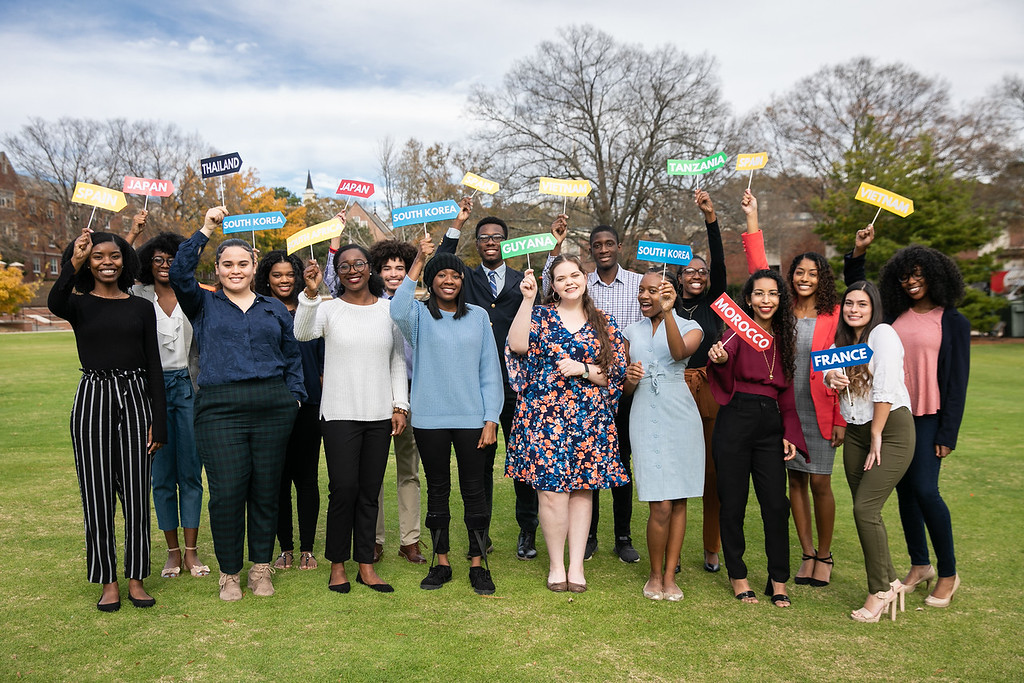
235, 345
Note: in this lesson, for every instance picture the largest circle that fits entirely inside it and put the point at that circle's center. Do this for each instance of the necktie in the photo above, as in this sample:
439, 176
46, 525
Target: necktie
493, 277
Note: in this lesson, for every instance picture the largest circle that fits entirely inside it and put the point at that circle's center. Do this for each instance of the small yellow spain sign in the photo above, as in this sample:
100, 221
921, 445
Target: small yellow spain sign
890, 201
750, 162
565, 188
479, 183
100, 197
315, 233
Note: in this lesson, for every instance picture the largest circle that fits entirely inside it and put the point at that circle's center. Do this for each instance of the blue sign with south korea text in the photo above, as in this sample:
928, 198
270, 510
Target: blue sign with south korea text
663, 252
843, 357
251, 222
424, 213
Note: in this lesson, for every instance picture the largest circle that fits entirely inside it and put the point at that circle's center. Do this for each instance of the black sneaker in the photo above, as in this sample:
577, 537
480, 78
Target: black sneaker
480, 579
625, 550
591, 548
439, 575
527, 547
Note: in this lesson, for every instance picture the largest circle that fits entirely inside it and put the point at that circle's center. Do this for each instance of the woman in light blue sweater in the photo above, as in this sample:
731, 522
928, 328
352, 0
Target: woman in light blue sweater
456, 399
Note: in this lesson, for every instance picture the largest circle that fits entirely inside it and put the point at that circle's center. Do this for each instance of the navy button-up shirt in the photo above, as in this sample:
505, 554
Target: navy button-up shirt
235, 345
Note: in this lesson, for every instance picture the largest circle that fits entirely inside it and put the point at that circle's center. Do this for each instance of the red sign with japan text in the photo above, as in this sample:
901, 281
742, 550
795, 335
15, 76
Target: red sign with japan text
150, 187
355, 188
741, 323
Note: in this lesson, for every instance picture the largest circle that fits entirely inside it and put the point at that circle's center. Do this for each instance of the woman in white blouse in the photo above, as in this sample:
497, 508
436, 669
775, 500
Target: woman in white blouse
880, 437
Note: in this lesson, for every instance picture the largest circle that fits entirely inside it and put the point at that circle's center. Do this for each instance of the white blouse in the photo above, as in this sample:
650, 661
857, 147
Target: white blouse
173, 332
887, 385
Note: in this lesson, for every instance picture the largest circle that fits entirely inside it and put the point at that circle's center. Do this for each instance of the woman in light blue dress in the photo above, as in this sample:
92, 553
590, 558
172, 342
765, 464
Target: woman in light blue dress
665, 426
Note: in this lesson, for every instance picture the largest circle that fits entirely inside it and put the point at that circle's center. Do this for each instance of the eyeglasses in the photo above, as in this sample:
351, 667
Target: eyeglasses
690, 272
160, 260
493, 239
355, 267
917, 275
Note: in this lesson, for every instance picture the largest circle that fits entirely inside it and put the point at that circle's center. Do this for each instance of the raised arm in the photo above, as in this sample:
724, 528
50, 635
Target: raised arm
559, 229
59, 299
716, 252
854, 269
753, 238
183, 269
330, 276
450, 241
519, 331
138, 225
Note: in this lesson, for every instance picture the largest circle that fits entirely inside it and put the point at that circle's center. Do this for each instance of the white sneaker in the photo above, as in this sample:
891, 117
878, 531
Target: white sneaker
259, 579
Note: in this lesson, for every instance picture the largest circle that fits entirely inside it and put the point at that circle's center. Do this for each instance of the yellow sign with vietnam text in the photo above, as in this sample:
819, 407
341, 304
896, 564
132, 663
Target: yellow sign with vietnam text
883, 199
750, 162
565, 188
100, 197
315, 233
479, 183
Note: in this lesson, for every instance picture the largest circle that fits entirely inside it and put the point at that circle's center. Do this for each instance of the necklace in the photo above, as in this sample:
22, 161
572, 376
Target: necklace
771, 368
690, 310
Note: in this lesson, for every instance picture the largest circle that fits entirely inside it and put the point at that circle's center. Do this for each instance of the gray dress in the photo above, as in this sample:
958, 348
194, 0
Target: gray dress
821, 451
665, 429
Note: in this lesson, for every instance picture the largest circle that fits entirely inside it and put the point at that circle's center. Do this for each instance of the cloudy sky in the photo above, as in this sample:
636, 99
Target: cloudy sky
315, 84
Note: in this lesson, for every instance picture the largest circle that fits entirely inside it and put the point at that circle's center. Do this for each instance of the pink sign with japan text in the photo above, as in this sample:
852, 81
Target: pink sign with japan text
150, 187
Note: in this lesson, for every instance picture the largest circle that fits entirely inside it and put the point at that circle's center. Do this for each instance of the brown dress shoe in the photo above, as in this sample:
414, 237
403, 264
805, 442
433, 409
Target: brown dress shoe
378, 552
412, 553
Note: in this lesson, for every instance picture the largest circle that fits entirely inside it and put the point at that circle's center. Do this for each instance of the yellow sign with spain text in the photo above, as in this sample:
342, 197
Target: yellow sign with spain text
750, 162
883, 199
565, 188
100, 197
479, 183
315, 233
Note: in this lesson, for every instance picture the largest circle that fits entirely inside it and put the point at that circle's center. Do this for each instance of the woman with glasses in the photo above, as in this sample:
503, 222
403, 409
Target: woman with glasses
177, 470
365, 402
920, 290
700, 284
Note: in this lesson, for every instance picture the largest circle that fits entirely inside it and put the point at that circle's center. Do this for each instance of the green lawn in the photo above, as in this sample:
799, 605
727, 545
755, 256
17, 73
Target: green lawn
52, 629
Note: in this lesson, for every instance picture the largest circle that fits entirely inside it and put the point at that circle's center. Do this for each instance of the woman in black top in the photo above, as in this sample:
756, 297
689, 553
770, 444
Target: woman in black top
118, 419
696, 294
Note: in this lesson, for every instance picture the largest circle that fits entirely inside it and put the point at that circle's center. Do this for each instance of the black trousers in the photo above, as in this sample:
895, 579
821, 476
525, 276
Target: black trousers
622, 496
357, 455
301, 468
747, 443
435, 447
526, 497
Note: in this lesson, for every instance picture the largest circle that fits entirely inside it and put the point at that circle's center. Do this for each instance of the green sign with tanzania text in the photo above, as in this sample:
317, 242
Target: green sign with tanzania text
697, 166
530, 244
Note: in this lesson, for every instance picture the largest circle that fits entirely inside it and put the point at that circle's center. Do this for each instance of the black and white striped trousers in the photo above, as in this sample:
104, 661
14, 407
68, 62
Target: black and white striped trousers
110, 422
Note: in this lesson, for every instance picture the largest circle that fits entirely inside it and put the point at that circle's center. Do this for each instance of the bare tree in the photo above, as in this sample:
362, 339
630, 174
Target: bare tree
386, 164
588, 107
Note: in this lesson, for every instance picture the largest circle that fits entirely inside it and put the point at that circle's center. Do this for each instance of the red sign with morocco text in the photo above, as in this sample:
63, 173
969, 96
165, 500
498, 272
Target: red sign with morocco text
741, 323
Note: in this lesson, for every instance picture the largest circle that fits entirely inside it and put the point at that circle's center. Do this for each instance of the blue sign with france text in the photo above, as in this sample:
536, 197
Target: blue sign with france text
843, 357
424, 213
251, 222
663, 252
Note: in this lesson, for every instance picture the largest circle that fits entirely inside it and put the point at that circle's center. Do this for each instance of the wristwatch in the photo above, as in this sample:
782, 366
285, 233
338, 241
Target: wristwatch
586, 371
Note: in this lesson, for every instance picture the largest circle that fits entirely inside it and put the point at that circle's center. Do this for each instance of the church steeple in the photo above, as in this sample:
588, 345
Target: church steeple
309, 194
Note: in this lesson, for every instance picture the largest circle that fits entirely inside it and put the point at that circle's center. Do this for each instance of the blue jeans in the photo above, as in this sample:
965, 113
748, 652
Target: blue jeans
177, 471
921, 505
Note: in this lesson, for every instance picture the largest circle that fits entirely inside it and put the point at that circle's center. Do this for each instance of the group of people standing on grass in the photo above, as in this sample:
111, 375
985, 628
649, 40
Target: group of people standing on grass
604, 380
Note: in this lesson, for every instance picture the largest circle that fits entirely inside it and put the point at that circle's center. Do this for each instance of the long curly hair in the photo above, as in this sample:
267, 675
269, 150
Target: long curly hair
783, 322
167, 242
860, 375
595, 316
826, 298
944, 280
261, 282
84, 281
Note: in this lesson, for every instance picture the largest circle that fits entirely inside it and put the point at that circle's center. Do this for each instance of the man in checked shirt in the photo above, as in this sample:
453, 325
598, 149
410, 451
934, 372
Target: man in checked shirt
614, 290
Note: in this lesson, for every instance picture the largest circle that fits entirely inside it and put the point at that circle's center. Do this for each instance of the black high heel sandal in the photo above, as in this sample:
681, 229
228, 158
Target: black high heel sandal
818, 583
805, 580
769, 590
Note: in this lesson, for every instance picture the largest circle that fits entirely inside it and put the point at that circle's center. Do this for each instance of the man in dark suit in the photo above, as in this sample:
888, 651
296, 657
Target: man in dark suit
494, 287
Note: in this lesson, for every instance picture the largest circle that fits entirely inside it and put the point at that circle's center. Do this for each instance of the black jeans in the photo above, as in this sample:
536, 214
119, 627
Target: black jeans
357, 455
301, 467
435, 447
526, 497
622, 496
747, 443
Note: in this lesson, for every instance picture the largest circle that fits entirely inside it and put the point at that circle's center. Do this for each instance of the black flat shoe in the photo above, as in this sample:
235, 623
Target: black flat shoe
379, 587
108, 606
805, 580
142, 602
340, 587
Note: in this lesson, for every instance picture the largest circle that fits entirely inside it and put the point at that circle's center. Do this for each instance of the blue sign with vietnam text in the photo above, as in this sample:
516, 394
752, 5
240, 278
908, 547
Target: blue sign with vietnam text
843, 357
251, 222
663, 252
424, 213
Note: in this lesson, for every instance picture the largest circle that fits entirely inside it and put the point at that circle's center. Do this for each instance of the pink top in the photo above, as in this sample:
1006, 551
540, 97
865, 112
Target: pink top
921, 334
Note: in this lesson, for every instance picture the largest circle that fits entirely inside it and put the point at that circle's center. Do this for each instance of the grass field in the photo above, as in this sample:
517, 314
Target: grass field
52, 630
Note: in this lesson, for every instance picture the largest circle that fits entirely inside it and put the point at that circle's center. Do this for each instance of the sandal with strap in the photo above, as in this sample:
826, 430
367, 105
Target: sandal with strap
284, 560
307, 561
171, 572
818, 583
778, 599
197, 570
804, 580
